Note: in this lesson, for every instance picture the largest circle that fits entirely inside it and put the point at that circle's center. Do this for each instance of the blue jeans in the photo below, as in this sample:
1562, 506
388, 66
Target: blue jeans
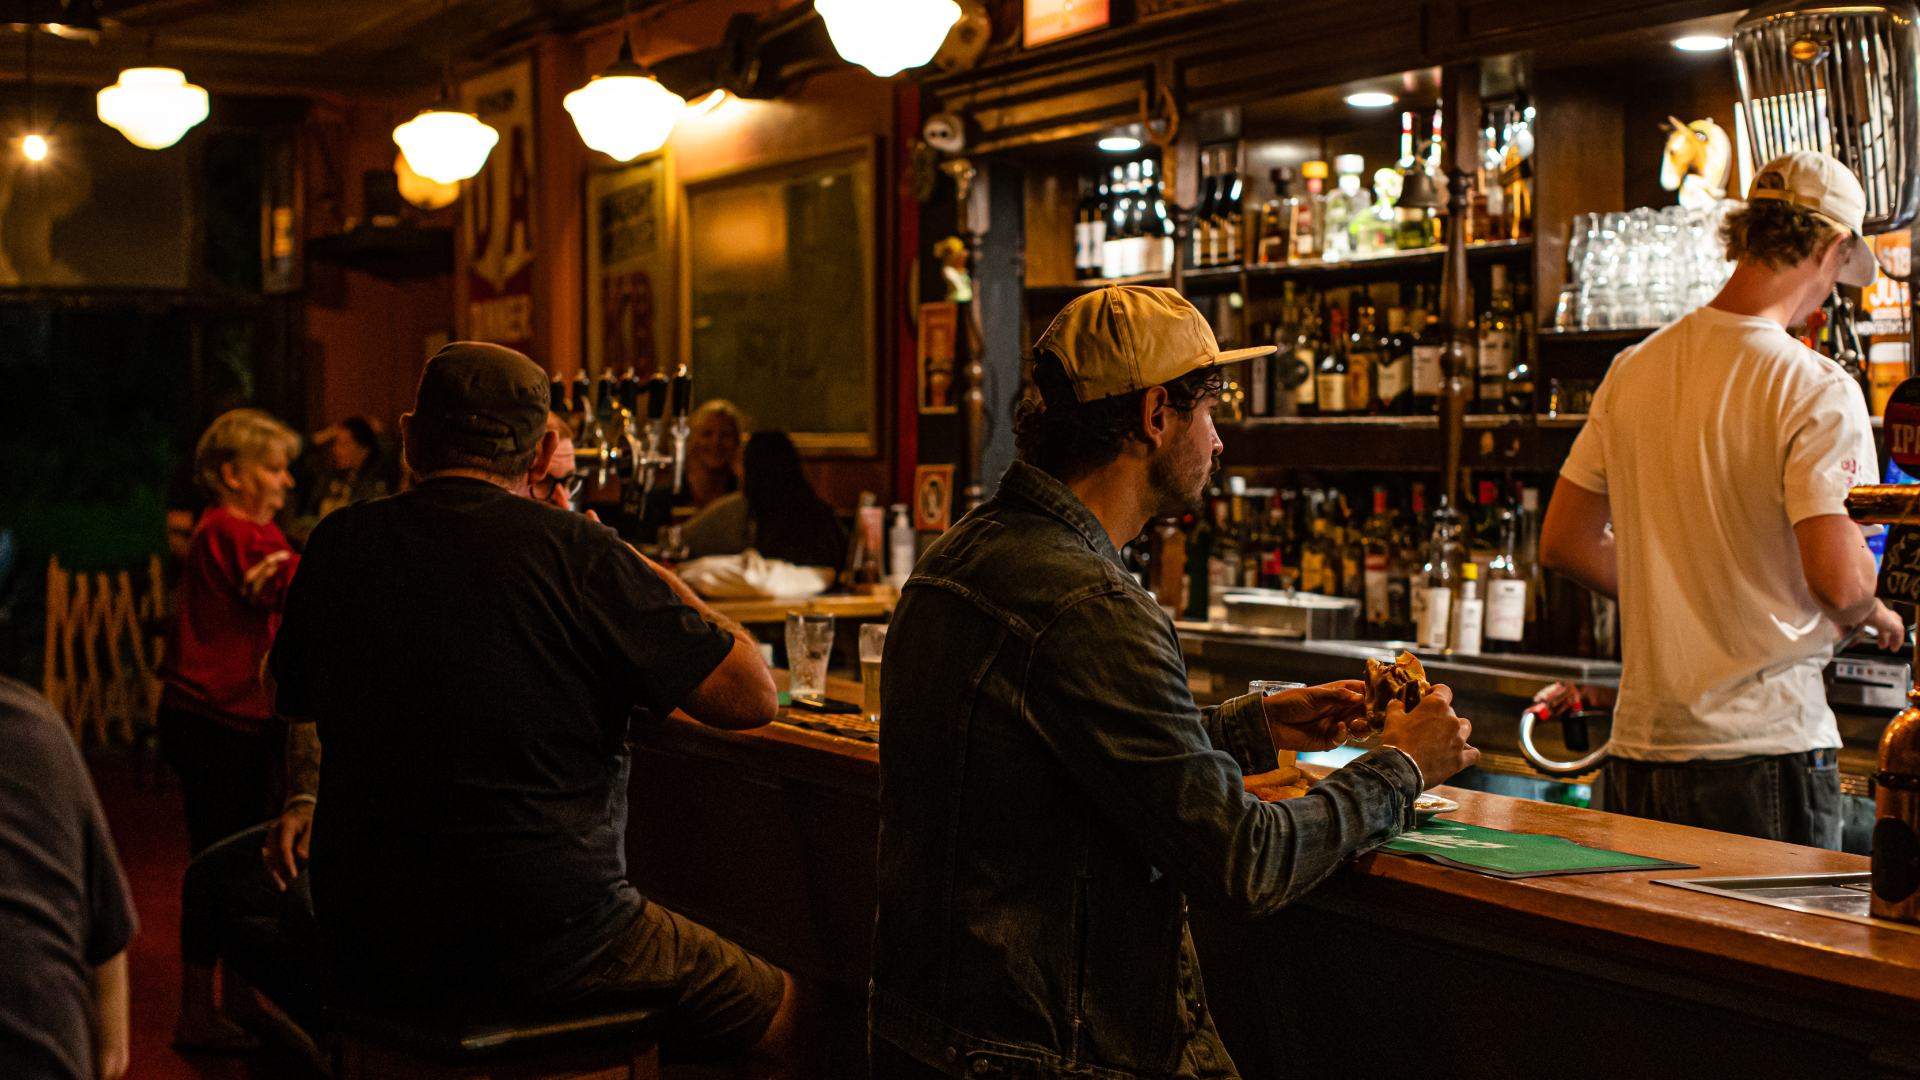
1791, 797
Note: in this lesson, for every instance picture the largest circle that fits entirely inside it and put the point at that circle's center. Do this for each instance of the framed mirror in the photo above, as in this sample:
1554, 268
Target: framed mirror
781, 313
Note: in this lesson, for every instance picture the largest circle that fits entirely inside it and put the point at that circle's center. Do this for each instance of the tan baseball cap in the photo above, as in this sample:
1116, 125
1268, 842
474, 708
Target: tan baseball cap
1123, 338
1818, 182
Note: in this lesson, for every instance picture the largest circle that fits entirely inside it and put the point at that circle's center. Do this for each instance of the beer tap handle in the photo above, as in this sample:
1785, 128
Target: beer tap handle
682, 392
656, 397
557, 395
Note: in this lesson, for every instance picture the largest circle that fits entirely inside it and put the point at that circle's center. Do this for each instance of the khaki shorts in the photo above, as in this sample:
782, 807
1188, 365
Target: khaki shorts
720, 998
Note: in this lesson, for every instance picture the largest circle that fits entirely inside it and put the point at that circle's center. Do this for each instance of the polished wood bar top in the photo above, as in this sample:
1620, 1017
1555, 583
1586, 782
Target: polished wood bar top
1635, 918
775, 610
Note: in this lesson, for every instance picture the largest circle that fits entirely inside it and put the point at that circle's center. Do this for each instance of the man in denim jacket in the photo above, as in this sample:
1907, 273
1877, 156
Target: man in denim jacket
1050, 793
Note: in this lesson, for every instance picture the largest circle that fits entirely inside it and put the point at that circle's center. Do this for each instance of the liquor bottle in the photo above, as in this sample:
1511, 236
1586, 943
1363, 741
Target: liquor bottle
1529, 556
1277, 559
1276, 220
1363, 356
1440, 577
1223, 556
1306, 363
1200, 241
1483, 526
1402, 572
1429, 351
1332, 362
1083, 232
1520, 383
1097, 229
1506, 626
1260, 377
1231, 225
1157, 225
1344, 206
1393, 379
1516, 168
1496, 344
1317, 571
1468, 611
1135, 261
1113, 252
1309, 214
1353, 554
1377, 567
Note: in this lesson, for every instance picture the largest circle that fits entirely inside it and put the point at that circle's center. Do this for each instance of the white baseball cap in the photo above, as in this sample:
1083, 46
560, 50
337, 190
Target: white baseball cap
1818, 183
1123, 338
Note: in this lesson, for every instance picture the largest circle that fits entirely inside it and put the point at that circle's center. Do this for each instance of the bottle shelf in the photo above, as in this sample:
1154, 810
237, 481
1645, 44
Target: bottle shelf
1210, 277
1517, 441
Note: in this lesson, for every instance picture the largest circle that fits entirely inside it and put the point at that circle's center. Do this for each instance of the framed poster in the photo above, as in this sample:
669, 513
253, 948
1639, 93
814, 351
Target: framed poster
939, 329
781, 311
1051, 20
932, 498
496, 220
632, 289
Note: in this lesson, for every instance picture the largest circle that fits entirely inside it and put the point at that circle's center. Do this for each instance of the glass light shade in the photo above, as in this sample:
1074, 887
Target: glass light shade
421, 192
624, 116
444, 145
34, 147
887, 36
152, 106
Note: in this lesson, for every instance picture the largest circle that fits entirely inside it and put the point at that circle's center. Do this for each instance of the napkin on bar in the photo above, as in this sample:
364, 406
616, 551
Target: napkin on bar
752, 576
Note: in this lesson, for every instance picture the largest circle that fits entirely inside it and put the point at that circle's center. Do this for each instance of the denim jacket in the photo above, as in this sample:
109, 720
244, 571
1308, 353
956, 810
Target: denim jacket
1051, 795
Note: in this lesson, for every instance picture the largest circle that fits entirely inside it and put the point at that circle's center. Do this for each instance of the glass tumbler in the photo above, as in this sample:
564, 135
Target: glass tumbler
809, 647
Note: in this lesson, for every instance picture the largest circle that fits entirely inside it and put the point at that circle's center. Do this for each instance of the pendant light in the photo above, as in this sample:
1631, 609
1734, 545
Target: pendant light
887, 36
444, 142
152, 106
624, 112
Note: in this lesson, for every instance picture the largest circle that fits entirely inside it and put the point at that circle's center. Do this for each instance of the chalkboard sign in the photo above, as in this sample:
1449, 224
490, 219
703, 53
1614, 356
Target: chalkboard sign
1900, 567
781, 297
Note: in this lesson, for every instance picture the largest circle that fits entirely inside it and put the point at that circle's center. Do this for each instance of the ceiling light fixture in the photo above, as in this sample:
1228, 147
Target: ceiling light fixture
1119, 144
1372, 99
624, 112
1700, 43
34, 148
152, 106
444, 143
887, 36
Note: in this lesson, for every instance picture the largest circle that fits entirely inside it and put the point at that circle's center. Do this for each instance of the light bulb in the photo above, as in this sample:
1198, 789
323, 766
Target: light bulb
152, 106
1119, 144
444, 145
1700, 43
1371, 99
34, 148
887, 36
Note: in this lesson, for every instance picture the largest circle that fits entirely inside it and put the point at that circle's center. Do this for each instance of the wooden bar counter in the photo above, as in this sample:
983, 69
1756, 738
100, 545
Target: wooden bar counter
1394, 967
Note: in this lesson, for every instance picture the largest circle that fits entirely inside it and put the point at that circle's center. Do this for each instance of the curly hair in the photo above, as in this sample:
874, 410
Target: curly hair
1054, 432
1775, 233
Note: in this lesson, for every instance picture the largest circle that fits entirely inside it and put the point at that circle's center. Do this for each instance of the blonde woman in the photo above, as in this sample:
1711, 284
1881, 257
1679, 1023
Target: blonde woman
217, 726
718, 430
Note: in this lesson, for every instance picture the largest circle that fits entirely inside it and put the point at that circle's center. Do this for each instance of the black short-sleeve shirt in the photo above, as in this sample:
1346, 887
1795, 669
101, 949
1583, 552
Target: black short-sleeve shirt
472, 659
63, 902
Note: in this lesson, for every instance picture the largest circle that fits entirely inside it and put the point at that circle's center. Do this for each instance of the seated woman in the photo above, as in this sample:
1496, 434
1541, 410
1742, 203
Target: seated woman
713, 450
776, 512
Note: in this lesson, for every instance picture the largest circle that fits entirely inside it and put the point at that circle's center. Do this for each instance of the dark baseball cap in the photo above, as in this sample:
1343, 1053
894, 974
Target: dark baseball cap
483, 399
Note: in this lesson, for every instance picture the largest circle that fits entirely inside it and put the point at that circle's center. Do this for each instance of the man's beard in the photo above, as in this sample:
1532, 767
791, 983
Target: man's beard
1173, 496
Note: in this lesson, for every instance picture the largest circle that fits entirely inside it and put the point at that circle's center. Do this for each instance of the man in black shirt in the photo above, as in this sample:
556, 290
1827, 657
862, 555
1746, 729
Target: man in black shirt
65, 919
470, 658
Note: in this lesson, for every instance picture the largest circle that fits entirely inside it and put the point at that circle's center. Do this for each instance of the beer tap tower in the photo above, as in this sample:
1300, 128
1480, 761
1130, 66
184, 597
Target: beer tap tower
617, 442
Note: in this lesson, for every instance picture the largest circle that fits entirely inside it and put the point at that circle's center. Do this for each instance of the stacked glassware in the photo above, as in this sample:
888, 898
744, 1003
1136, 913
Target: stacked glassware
1643, 267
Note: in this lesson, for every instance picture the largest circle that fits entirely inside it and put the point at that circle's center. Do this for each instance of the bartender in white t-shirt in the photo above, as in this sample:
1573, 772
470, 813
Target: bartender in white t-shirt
1721, 450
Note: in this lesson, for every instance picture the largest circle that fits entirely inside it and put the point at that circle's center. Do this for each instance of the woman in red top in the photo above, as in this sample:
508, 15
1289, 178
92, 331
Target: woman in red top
217, 727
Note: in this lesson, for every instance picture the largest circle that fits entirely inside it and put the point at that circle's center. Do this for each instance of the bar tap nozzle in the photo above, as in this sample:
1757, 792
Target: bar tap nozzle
682, 400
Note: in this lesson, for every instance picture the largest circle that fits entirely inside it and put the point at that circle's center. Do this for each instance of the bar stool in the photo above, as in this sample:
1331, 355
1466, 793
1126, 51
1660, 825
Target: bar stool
600, 1041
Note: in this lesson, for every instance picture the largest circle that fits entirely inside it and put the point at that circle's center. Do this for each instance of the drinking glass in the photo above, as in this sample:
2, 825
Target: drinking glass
873, 644
809, 646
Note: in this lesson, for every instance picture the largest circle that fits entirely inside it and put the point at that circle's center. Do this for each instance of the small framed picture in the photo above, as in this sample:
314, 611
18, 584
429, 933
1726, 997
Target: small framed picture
939, 328
932, 498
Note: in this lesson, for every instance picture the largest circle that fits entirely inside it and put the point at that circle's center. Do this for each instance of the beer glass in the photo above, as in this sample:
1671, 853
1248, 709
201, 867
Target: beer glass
873, 643
809, 647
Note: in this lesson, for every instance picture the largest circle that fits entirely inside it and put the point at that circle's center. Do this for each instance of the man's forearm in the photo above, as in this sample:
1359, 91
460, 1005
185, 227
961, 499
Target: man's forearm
303, 759
110, 1041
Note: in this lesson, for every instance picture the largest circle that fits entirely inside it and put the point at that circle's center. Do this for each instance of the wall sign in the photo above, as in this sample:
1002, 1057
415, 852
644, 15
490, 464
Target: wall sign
1900, 567
1051, 20
497, 215
1903, 426
632, 294
932, 498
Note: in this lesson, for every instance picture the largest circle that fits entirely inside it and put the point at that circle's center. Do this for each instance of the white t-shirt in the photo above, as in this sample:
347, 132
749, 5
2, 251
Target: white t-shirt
1711, 439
